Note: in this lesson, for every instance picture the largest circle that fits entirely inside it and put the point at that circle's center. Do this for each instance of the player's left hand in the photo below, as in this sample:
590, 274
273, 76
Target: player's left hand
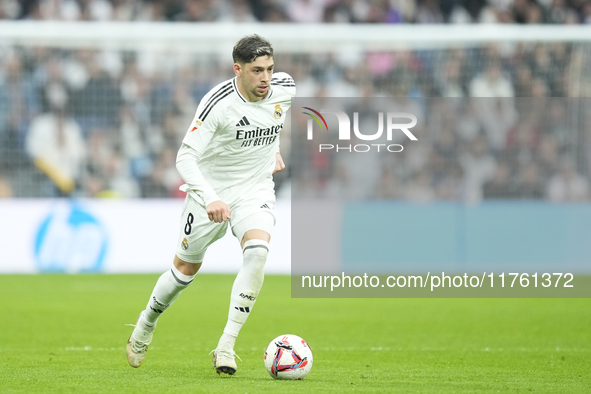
279, 164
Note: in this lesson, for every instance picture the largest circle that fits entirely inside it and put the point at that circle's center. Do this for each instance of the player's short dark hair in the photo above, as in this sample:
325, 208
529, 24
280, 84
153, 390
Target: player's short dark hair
250, 47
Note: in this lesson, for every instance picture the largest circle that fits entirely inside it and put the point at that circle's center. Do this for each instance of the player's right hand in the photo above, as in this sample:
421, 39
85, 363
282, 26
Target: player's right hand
218, 211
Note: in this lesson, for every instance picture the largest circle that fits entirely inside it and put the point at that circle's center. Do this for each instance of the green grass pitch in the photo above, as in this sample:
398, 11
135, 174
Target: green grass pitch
66, 334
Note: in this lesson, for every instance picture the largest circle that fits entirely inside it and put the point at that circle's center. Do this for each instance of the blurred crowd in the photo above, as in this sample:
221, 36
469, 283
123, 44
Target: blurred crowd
303, 11
104, 123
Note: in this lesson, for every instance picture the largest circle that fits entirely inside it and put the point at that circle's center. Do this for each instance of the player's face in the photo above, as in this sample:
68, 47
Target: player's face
255, 77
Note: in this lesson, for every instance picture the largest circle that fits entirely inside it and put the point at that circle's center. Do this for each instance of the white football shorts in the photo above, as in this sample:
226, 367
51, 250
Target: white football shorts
197, 232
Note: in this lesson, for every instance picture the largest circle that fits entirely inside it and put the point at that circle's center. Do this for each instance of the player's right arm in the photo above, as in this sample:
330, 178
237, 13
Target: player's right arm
187, 165
195, 144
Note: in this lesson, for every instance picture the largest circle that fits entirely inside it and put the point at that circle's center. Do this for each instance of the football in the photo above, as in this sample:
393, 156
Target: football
288, 357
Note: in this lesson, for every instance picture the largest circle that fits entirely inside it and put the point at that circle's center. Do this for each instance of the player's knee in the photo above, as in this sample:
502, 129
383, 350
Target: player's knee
256, 234
256, 249
185, 267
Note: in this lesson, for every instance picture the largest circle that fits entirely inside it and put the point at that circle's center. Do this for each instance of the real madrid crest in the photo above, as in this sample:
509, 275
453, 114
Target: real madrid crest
278, 111
185, 244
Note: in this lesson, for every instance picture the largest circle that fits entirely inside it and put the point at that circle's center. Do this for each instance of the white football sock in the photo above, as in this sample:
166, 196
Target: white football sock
167, 289
246, 288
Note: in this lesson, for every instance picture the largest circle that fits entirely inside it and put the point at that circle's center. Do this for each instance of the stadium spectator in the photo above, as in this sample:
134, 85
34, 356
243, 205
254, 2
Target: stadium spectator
275, 14
469, 124
522, 141
119, 182
64, 10
21, 101
581, 87
357, 175
6, 145
446, 148
5, 187
97, 103
567, 185
305, 11
49, 77
496, 117
556, 124
472, 11
134, 144
163, 180
56, 145
380, 11
420, 187
237, 11
343, 11
198, 11
429, 12
154, 11
9, 9
558, 12
450, 84
389, 185
501, 185
100, 148
451, 186
529, 185
492, 82
539, 88
520, 10
523, 80
95, 10
547, 156
478, 166
128, 10
586, 13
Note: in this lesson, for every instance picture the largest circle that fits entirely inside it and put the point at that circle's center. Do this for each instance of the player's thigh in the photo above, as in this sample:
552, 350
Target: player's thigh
196, 232
258, 225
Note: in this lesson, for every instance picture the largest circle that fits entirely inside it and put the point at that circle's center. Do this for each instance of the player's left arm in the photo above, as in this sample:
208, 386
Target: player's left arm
286, 84
279, 164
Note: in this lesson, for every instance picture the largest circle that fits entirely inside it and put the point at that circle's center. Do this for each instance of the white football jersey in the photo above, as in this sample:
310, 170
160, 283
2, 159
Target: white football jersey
237, 140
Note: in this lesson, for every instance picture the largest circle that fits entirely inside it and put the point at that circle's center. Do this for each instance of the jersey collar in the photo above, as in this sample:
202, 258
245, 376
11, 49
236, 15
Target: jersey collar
244, 99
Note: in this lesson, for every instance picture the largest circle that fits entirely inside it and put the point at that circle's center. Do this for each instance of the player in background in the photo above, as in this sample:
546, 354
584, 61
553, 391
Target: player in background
227, 159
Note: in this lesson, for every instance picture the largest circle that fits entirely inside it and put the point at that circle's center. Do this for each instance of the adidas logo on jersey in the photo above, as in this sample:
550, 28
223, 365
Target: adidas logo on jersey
243, 122
265, 206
